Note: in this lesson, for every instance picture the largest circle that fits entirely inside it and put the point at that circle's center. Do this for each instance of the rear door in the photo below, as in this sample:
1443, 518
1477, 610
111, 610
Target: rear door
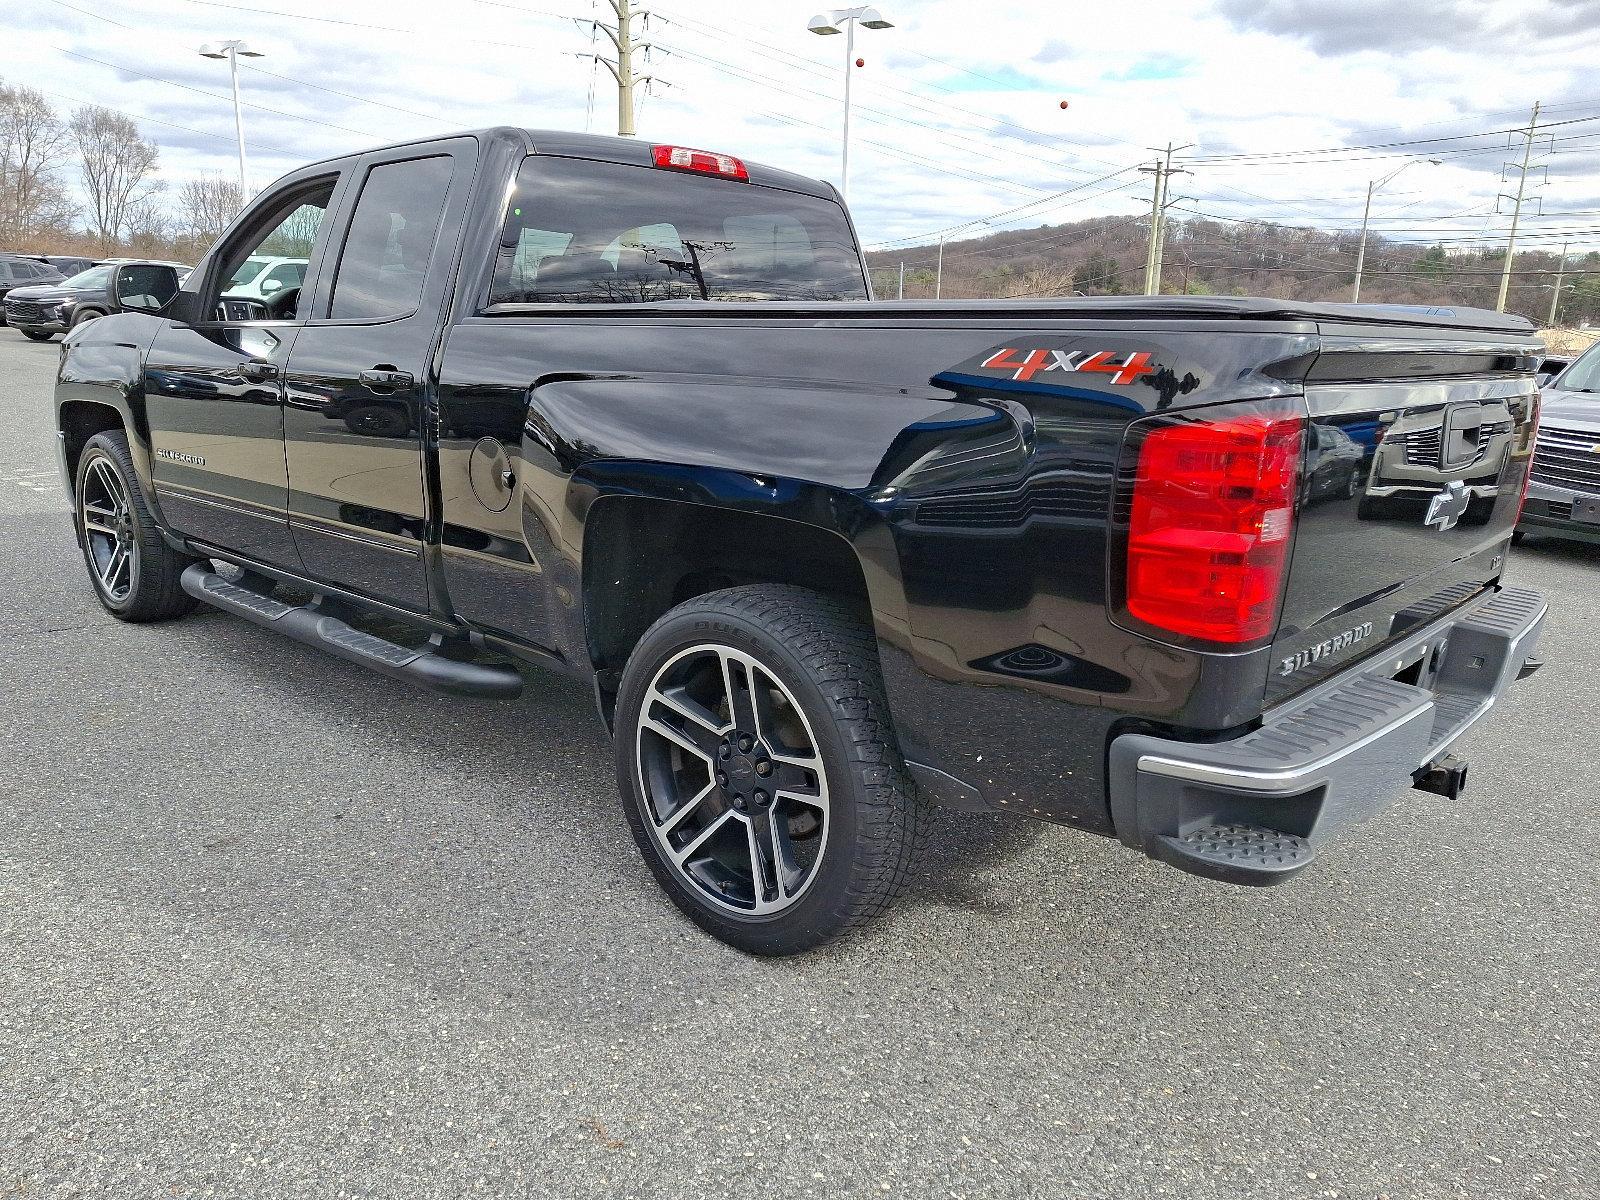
214, 388
358, 383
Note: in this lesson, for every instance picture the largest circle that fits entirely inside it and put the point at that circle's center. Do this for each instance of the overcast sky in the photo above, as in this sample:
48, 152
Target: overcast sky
958, 109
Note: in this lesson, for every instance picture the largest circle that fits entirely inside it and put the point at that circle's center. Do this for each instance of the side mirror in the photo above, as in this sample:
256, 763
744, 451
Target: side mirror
272, 285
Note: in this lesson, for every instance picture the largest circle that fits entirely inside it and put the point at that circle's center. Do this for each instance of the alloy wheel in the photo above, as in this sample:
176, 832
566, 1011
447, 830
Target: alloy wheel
108, 530
735, 789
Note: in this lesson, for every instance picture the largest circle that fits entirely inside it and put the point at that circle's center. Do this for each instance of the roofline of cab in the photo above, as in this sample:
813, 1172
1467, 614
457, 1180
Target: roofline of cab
558, 143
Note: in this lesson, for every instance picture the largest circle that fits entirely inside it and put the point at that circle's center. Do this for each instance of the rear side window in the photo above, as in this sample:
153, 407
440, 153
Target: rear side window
396, 222
581, 232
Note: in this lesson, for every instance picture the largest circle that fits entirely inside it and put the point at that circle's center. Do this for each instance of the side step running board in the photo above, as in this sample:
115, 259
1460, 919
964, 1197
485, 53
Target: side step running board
430, 667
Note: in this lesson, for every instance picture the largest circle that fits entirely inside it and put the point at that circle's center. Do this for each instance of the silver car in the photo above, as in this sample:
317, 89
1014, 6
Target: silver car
1564, 494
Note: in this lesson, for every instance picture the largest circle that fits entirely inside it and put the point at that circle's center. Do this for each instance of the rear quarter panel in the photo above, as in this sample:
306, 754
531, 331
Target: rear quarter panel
977, 501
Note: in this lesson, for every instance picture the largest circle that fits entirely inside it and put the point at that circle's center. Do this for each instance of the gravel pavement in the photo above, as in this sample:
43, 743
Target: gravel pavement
271, 926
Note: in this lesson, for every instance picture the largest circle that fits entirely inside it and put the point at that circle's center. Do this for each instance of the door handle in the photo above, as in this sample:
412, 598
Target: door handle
256, 371
387, 379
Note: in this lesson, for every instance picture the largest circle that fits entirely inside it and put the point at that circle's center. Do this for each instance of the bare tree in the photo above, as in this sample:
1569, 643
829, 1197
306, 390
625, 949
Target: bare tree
34, 145
119, 169
207, 205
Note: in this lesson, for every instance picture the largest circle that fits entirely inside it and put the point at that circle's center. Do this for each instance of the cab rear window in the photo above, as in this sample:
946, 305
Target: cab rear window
582, 232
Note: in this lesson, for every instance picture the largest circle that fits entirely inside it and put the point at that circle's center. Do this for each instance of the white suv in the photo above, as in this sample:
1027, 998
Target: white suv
260, 277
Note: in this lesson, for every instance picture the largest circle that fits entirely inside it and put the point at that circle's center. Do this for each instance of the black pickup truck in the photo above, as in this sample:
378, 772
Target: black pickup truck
1214, 577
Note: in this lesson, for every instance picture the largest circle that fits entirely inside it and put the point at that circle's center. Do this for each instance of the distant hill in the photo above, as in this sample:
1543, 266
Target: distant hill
1105, 256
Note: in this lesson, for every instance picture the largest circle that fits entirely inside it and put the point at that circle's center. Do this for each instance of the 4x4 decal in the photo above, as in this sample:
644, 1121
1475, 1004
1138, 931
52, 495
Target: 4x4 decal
1033, 362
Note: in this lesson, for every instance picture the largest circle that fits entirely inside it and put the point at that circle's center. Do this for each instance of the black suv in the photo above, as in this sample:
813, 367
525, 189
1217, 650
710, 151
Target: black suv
112, 287
17, 271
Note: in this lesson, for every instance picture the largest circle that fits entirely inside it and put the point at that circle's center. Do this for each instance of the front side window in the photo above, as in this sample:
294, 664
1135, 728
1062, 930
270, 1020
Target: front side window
581, 232
286, 228
391, 238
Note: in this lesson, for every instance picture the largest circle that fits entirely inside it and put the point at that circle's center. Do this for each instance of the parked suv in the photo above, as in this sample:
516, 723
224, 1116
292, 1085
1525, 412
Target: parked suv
112, 287
1564, 494
261, 277
17, 271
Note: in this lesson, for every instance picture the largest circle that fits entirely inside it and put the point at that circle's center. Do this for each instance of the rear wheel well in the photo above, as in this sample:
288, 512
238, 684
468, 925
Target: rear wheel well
643, 557
80, 421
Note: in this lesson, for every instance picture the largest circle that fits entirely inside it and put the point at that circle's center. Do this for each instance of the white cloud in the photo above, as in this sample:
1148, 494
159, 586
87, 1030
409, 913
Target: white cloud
933, 145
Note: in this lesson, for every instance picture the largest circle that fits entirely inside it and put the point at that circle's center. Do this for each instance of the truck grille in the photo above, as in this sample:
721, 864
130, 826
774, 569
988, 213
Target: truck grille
1422, 445
1568, 458
24, 311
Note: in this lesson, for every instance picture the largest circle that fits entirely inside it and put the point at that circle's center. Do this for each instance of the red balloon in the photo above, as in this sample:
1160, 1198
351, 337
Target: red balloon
1063, 104
861, 62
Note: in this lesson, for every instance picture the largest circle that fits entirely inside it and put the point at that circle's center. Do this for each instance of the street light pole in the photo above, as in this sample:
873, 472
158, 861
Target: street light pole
232, 50
1561, 274
827, 24
1366, 215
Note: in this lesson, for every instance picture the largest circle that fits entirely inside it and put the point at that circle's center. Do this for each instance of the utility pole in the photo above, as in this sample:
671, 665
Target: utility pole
902, 293
1516, 210
938, 275
1555, 296
621, 35
1162, 170
1366, 216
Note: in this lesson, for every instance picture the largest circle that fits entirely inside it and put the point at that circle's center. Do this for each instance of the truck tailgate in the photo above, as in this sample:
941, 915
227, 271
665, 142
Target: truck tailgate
1416, 456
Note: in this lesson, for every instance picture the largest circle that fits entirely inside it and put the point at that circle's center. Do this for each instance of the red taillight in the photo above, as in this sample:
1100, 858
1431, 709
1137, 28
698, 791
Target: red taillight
1210, 523
681, 158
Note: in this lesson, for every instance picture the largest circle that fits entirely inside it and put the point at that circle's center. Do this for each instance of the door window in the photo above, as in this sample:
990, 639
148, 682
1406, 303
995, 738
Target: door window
391, 239
285, 230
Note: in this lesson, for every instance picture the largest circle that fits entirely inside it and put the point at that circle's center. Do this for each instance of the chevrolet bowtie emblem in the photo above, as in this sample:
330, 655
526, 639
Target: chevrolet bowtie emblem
1448, 506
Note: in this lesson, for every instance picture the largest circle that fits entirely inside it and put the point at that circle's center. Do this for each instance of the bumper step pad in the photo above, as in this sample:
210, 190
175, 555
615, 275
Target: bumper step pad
1254, 809
433, 666
1239, 853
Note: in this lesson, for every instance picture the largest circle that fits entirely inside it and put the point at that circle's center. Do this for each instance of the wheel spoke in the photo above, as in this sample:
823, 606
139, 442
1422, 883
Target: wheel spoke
738, 679
683, 810
772, 862
114, 567
676, 736
679, 857
698, 729
98, 527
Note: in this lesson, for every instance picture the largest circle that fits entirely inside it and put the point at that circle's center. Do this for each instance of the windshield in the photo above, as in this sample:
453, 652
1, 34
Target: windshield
248, 270
1583, 375
94, 277
581, 232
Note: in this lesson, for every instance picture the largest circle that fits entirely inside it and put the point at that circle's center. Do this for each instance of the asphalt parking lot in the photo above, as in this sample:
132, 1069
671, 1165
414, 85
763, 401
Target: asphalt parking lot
271, 926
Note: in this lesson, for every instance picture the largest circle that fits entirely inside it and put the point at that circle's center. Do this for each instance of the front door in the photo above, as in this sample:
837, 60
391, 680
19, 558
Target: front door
214, 392
357, 385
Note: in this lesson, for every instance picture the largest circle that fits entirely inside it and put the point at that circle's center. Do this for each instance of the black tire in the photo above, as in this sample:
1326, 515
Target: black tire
823, 661
150, 589
37, 335
83, 316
